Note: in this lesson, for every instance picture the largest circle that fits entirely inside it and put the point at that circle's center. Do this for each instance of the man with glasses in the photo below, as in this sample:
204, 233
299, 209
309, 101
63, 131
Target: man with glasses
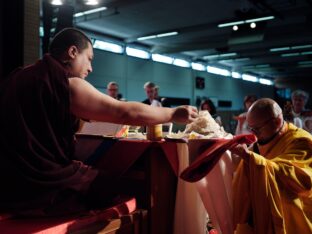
273, 182
113, 89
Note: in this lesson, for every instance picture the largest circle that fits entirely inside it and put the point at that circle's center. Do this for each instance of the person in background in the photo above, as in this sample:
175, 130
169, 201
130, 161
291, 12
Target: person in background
113, 90
272, 187
149, 88
289, 116
208, 105
241, 127
299, 99
43, 102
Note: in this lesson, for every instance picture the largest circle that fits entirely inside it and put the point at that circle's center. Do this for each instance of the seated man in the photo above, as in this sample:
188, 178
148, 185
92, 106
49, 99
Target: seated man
40, 107
273, 183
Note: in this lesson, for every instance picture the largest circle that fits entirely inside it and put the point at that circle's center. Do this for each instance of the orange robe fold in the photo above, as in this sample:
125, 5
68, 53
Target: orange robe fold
273, 191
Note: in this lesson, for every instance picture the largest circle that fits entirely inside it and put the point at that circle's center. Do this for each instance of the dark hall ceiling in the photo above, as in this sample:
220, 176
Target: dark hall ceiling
199, 36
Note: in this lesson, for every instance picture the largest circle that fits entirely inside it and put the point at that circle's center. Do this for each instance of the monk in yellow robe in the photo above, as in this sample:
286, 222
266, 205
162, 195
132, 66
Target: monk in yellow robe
273, 183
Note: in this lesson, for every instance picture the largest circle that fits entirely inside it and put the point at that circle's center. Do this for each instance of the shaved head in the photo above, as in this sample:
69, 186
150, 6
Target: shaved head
264, 108
265, 119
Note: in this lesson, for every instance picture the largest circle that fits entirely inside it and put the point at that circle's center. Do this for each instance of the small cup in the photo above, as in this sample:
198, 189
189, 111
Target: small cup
154, 132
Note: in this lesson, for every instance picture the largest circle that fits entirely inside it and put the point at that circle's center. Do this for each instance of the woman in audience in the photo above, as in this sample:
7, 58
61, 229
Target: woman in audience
241, 127
208, 105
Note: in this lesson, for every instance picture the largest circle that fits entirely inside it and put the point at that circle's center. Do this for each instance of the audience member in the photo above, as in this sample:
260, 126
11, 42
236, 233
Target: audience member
289, 116
273, 183
113, 90
208, 105
149, 88
43, 103
299, 99
241, 127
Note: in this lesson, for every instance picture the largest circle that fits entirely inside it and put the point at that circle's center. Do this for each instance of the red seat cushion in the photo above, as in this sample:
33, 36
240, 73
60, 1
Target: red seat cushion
62, 225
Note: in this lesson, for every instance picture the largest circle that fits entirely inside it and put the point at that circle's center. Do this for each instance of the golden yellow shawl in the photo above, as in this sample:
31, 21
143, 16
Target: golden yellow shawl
273, 191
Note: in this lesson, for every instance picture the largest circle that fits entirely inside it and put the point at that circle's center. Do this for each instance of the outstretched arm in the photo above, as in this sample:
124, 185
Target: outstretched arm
88, 103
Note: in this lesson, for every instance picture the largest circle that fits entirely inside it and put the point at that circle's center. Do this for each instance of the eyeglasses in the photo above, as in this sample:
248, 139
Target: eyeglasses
258, 129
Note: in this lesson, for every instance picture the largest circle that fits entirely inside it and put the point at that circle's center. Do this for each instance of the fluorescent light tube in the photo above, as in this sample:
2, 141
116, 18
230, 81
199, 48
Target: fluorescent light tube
57, 2
92, 2
137, 53
301, 47
246, 21
112, 47
290, 54
306, 53
249, 78
168, 34
279, 49
260, 19
231, 24
218, 71
265, 81
162, 58
198, 67
90, 11
236, 75
146, 38
181, 63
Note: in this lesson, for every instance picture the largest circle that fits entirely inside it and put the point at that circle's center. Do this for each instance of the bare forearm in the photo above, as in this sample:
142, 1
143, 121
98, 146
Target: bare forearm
135, 113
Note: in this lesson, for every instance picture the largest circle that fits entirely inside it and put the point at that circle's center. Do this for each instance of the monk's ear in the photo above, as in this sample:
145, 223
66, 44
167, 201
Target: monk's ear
278, 121
72, 52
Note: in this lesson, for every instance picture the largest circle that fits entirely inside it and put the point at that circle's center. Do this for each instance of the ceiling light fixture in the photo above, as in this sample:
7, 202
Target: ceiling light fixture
56, 2
91, 2
198, 66
296, 54
212, 56
90, 11
304, 62
236, 75
134, 52
168, 34
290, 48
246, 21
249, 78
265, 81
235, 27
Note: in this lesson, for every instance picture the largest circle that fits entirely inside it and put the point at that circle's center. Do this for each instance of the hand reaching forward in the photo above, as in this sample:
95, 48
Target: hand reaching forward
184, 114
242, 151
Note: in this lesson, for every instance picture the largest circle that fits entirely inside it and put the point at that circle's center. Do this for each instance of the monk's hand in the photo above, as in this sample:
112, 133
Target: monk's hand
242, 151
184, 114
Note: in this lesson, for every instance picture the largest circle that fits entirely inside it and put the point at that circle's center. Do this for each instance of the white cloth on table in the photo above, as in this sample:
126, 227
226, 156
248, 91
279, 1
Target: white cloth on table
216, 193
190, 214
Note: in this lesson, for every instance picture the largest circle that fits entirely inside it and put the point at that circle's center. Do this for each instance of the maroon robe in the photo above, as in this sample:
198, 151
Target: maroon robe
37, 168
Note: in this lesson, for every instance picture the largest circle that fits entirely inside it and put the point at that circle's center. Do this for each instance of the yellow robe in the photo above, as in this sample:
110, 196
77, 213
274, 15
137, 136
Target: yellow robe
273, 191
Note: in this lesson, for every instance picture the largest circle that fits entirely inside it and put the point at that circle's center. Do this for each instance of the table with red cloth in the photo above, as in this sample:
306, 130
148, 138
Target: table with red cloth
152, 170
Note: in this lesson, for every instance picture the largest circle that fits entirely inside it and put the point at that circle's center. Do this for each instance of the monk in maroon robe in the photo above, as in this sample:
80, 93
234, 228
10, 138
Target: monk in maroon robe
40, 106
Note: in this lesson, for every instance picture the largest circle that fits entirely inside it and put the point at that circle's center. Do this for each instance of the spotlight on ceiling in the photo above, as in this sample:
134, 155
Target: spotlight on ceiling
253, 25
235, 27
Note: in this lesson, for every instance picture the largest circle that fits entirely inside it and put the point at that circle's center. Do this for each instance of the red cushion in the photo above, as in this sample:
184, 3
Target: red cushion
66, 224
